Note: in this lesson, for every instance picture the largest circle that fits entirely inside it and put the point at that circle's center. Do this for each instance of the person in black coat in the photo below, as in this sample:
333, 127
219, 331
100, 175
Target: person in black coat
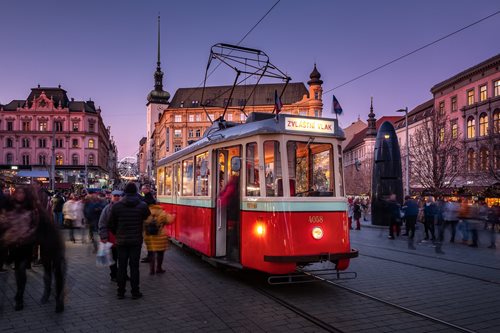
126, 223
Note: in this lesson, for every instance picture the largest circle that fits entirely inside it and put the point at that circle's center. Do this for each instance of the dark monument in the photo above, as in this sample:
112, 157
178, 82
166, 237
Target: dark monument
386, 176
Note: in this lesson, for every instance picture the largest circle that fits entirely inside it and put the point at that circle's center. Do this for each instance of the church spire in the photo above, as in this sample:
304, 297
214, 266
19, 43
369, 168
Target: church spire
158, 95
372, 127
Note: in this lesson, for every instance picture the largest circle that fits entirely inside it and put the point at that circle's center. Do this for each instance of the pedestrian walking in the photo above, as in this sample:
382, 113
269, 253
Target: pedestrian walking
450, 216
356, 213
410, 209
429, 218
155, 237
126, 223
92, 210
493, 219
148, 198
394, 215
107, 236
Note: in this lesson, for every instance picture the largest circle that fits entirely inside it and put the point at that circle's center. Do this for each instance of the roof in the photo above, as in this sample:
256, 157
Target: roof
418, 113
488, 63
215, 96
359, 137
57, 93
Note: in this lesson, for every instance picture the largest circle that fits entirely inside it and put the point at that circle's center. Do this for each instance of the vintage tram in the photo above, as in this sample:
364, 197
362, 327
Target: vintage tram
286, 207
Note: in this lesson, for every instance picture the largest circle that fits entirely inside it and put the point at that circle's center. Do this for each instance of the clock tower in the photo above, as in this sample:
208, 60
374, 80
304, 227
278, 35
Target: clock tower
157, 102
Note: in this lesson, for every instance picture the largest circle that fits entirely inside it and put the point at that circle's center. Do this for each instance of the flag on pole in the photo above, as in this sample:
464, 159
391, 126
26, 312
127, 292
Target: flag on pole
277, 102
336, 108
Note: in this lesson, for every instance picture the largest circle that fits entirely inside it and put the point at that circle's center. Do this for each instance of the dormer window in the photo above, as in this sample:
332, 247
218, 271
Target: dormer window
195, 103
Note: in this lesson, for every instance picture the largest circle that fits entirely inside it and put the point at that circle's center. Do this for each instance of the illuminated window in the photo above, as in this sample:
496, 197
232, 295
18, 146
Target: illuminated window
252, 168
496, 90
242, 117
471, 160
26, 159
75, 127
470, 97
211, 116
91, 159
202, 174
483, 93
187, 177
454, 106
272, 167
454, 129
484, 159
59, 159
230, 117
91, 143
191, 118
42, 126
441, 134
74, 159
496, 121
471, 128
198, 117
483, 124
177, 133
177, 118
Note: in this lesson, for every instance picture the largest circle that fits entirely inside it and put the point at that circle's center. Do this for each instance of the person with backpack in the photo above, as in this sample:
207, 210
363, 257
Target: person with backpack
156, 238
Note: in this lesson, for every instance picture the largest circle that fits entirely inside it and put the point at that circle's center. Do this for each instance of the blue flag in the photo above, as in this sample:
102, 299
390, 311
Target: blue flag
336, 108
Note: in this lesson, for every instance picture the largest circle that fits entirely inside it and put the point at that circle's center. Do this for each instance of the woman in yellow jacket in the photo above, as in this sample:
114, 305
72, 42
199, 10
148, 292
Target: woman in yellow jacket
155, 237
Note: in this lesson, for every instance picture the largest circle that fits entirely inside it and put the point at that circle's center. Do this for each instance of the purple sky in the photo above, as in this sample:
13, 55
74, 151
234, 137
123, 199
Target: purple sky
106, 50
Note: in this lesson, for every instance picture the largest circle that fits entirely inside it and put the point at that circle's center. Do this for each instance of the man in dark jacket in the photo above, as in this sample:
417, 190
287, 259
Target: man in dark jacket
410, 209
126, 223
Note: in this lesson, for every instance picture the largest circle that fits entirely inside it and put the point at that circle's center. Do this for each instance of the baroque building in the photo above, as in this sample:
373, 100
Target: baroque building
46, 125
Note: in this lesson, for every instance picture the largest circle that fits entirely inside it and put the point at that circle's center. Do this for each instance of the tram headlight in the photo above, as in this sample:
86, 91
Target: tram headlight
317, 233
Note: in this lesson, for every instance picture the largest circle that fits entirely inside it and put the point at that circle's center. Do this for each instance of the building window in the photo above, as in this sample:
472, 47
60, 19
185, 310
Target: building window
59, 143
454, 106
59, 126
91, 143
303, 113
229, 117
470, 97
74, 159
198, 133
198, 117
74, 143
496, 89
42, 143
10, 126
25, 143
177, 133
178, 118
483, 124
75, 127
228, 102
454, 129
181, 104
26, 159
42, 159
91, 127
316, 95
194, 104
42, 126
471, 159
483, 159
483, 93
191, 118
441, 108
177, 147
242, 102
471, 128
59, 159
242, 117
211, 117
9, 159
26, 126
496, 121
441, 134
190, 133
9, 143
91, 159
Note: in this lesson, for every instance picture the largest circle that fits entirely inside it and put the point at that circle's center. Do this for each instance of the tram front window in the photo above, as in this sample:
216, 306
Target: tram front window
310, 167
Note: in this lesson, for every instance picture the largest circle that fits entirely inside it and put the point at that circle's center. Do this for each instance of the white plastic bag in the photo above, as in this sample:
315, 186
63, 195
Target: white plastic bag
104, 257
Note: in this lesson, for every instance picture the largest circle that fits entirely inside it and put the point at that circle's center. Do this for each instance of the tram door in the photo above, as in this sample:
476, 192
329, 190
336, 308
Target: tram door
227, 189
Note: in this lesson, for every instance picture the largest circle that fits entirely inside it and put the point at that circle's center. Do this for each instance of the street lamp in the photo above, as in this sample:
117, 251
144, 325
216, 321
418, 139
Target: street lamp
407, 160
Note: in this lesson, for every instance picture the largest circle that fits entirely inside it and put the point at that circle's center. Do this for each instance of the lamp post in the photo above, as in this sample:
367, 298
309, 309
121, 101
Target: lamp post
407, 159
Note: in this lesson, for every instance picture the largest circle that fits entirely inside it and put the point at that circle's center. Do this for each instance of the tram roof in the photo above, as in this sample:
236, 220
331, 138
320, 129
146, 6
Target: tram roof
262, 123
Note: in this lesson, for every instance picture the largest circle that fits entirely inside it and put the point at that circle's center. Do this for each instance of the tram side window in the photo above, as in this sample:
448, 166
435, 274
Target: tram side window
161, 180
252, 170
202, 173
187, 177
310, 167
272, 163
168, 181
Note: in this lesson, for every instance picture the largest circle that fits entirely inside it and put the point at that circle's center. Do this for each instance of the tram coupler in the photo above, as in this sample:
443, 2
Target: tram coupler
330, 274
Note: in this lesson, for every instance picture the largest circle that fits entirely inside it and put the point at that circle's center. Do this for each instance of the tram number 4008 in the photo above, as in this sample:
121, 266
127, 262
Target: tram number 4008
315, 219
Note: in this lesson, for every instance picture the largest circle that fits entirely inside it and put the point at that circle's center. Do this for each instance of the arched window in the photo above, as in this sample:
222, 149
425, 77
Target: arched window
91, 143
483, 124
91, 160
471, 160
9, 158
9, 143
74, 159
496, 121
484, 160
59, 159
42, 159
26, 159
471, 128
26, 143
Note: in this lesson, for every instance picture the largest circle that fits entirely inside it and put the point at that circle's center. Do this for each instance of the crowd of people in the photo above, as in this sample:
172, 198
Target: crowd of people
31, 220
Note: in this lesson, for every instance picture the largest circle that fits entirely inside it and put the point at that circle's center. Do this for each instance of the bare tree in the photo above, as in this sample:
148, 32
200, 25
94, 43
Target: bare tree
436, 153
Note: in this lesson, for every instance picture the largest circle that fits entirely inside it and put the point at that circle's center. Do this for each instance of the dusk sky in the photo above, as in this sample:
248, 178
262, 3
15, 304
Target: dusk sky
106, 50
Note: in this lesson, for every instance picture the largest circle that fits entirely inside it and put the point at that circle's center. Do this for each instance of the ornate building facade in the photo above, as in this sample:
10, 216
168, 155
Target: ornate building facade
46, 125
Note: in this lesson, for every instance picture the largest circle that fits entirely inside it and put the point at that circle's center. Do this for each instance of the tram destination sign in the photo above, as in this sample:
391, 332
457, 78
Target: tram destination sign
310, 125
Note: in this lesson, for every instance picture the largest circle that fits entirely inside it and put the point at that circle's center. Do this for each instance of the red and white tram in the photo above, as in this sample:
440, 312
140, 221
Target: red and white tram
289, 199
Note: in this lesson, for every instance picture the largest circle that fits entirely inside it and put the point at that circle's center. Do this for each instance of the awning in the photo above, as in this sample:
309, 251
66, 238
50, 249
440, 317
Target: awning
33, 173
